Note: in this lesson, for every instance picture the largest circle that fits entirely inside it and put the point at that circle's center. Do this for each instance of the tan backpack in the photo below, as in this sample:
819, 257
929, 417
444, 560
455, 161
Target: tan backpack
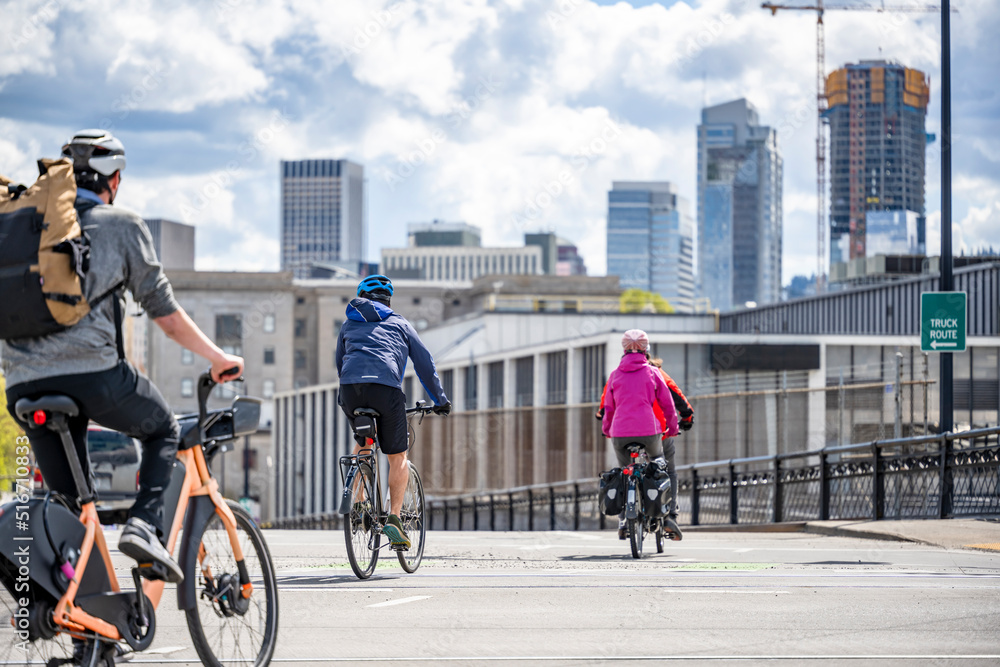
44, 254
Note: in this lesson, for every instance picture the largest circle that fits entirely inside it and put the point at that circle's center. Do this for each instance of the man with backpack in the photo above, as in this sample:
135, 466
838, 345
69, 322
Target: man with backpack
85, 360
372, 348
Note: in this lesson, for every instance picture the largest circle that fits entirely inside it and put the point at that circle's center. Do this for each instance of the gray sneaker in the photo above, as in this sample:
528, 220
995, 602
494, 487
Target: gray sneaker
393, 529
139, 541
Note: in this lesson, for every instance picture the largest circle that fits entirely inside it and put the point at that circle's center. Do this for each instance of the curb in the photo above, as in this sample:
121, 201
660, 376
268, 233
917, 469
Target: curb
833, 531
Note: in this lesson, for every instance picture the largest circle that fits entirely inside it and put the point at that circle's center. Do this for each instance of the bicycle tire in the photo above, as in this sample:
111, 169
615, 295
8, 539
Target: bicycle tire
659, 540
237, 632
412, 517
635, 535
362, 527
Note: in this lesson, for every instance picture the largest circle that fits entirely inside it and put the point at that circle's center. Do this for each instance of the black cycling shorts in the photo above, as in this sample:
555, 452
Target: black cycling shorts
389, 402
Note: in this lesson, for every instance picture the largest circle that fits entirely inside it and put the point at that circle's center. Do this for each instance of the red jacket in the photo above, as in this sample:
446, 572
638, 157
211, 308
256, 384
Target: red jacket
685, 412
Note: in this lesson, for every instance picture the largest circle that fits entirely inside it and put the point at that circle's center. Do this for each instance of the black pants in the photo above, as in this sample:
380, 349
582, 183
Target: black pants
120, 399
389, 402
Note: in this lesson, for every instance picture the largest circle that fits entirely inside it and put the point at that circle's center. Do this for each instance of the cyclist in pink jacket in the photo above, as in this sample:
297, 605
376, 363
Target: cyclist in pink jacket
633, 388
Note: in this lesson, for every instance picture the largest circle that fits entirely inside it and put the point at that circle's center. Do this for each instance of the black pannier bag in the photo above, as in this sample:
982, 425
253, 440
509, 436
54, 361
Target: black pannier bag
611, 496
655, 490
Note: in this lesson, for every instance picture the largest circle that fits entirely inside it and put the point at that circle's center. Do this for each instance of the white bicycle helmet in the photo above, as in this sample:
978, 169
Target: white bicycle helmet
95, 151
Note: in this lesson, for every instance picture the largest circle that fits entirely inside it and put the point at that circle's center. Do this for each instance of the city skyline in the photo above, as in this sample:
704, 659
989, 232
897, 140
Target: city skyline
472, 113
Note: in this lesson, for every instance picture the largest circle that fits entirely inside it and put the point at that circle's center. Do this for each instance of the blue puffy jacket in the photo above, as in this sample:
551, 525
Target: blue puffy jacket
373, 346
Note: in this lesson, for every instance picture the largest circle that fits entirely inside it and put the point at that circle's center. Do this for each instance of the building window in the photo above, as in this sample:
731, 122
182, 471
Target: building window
300, 328
592, 362
555, 383
448, 384
471, 387
300, 359
187, 356
495, 380
269, 324
229, 333
524, 381
268, 355
268, 389
187, 388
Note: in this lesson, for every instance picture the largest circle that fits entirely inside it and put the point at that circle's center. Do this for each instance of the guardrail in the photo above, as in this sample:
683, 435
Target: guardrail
928, 477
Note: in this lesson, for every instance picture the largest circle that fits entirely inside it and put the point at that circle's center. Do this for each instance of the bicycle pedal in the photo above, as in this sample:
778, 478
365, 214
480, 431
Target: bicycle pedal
152, 571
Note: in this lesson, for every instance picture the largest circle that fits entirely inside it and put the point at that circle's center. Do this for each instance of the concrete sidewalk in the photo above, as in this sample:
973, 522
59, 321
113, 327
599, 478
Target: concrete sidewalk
948, 533
978, 534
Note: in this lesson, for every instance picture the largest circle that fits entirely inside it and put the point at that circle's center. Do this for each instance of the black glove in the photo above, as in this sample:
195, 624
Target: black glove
685, 424
442, 409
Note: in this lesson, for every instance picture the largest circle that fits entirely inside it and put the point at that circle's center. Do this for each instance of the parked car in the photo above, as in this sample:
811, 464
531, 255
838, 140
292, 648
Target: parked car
114, 459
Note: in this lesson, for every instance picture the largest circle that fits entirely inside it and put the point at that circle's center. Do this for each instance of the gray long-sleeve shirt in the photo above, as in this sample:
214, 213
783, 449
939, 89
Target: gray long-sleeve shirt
121, 252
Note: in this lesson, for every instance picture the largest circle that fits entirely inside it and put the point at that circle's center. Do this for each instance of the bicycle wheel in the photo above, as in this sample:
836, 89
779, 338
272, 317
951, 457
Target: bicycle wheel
224, 626
412, 518
362, 528
40, 644
635, 535
659, 540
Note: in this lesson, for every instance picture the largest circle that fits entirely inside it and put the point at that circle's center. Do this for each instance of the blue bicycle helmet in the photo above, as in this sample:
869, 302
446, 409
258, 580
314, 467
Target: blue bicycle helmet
374, 285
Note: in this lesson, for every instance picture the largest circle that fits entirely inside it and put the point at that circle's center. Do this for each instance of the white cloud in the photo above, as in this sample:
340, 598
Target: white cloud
482, 104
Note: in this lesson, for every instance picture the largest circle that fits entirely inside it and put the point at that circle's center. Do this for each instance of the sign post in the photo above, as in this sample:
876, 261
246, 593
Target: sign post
942, 321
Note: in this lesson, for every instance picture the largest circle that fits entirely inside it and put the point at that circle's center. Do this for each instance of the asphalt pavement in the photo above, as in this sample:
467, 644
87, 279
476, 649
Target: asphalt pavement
825, 593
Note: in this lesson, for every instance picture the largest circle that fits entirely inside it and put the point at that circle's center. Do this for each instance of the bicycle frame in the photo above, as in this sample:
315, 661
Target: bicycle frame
201, 491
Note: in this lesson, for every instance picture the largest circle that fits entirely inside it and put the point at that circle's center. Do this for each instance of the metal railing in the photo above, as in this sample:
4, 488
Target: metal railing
939, 476
928, 477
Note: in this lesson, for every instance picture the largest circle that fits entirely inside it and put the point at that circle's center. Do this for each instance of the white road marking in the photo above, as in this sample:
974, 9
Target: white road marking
622, 658
742, 551
391, 603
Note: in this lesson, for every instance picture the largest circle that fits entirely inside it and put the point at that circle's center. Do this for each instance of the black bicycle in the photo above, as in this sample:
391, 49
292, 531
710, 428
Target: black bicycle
639, 520
363, 504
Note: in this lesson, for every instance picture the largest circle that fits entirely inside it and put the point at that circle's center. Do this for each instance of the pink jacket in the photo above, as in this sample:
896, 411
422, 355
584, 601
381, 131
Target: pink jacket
633, 388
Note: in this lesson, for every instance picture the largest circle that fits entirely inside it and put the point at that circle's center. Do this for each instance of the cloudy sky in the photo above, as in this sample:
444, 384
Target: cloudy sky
461, 110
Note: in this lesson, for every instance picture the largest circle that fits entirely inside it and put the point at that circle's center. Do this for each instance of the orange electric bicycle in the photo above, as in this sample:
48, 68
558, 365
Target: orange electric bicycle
61, 598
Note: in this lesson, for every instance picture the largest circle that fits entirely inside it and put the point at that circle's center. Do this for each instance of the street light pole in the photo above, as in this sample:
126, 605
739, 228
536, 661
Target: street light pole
947, 279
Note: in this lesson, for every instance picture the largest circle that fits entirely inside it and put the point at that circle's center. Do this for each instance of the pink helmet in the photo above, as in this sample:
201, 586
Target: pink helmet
635, 340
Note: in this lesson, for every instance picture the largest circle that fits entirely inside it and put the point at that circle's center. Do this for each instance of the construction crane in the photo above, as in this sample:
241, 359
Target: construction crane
822, 231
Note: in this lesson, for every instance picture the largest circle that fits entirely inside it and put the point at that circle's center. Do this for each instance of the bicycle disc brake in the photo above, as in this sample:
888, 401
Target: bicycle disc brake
225, 592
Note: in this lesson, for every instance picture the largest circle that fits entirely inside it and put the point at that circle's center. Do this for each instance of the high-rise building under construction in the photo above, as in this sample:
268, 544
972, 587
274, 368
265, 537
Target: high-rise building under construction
876, 111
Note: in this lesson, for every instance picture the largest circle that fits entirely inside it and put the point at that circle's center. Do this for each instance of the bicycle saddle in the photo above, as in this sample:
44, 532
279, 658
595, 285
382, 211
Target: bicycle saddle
366, 412
58, 403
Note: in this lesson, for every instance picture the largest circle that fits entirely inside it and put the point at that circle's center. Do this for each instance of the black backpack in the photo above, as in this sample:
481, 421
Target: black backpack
611, 495
44, 254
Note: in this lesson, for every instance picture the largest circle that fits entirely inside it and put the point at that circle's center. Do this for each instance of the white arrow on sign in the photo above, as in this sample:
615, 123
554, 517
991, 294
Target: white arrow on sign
936, 345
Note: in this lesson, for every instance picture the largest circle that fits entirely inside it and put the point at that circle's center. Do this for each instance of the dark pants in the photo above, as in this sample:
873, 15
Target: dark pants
655, 446
389, 402
120, 399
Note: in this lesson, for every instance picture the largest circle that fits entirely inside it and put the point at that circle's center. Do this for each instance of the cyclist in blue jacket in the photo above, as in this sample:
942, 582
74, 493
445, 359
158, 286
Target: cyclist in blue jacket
372, 349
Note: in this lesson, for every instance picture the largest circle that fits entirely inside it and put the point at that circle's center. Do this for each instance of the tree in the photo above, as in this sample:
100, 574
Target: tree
9, 433
640, 301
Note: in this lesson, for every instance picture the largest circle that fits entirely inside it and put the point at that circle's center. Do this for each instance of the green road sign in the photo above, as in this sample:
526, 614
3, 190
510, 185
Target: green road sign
942, 321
